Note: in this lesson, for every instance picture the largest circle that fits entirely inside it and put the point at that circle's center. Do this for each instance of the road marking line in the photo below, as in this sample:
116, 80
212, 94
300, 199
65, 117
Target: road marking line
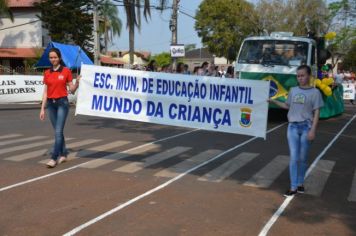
129, 202
228, 168
117, 156
152, 160
316, 181
265, 177
352, 196
286, 202
76, 166
187, 164
2, 143
74, 145
26, 146
10, 136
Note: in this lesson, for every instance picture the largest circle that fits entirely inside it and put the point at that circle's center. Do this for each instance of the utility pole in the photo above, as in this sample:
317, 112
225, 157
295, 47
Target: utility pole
96, 32
174, 28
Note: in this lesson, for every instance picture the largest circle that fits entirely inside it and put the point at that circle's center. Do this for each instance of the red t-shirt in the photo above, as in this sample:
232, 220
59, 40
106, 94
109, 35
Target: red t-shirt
56, 82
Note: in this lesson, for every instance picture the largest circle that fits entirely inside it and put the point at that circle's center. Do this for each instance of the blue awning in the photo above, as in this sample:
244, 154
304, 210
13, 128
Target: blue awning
72, 55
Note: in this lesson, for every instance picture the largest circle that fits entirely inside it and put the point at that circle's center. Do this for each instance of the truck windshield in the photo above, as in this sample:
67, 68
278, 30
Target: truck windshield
274, 52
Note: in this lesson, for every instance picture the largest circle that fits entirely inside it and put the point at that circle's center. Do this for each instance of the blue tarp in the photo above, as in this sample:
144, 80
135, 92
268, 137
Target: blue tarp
73, 56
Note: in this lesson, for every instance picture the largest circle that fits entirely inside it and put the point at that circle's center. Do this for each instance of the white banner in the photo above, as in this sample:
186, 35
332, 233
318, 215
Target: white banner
349, 91
22, 89
210, 103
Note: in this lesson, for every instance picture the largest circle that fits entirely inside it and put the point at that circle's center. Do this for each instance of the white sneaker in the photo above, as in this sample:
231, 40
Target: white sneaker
62, 159
52, 163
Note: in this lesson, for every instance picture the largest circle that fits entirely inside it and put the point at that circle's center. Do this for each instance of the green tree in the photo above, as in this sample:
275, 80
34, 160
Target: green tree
162, 59
111, 24
297, 16
5, 10
133, 10
68, 21
349, 62
342, 14
223, 24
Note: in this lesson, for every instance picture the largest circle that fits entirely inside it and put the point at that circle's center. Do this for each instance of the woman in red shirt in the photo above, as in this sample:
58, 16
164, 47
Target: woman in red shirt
56, 79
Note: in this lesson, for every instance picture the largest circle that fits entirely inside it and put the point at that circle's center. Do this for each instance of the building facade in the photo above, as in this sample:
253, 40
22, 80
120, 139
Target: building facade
23, 39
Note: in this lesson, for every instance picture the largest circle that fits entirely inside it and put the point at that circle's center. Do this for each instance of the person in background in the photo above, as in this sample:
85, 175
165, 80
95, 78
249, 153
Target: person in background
151, 66
222, 72
203, 70
186, 69
56, 79
304, 103
196, 70
212, 70
180, 68
229, 72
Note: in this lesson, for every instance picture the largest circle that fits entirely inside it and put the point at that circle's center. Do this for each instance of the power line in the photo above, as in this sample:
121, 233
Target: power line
184, 13
14, 26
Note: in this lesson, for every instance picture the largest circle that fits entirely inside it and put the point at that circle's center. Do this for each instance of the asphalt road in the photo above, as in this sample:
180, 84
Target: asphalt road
132, 178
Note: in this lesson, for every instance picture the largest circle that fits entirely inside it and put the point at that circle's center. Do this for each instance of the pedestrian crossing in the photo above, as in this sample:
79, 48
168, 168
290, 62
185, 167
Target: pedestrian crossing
265, 177
18, 148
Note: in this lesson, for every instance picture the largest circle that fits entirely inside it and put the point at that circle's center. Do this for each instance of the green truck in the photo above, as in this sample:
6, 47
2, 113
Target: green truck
275, 58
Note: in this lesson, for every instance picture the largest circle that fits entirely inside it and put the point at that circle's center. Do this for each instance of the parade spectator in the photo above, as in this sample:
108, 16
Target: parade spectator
212, 70
186, 70
338, 77
151, 66
304, 103
229, 72
203, 70
196, 70
56, 79
222, 72
180, 68
347, 75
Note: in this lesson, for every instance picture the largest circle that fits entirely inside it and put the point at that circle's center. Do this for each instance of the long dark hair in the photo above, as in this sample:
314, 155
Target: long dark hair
59, 54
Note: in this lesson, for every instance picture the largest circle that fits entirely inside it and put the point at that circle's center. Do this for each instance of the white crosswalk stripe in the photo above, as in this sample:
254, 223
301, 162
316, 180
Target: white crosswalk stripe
152, 160
352, 195
187, 164
315, 182
10, 136
30, 155
91, 150
26, 146
266, 176
228, 168
2, 143
117, 156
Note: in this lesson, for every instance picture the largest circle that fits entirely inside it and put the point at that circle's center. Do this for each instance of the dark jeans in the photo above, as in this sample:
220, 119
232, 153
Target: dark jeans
58, 111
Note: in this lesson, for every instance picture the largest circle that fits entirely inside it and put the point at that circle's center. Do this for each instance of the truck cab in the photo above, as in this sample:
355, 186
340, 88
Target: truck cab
275, 58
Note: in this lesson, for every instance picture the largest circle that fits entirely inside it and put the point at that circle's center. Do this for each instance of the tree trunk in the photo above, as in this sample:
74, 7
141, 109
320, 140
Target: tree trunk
132, 43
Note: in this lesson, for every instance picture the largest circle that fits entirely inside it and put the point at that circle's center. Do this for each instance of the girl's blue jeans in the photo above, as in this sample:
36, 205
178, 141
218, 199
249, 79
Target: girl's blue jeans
298, 147
58, 111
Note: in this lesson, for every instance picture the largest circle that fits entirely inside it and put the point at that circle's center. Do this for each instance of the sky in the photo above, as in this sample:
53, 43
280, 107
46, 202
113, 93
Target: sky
155, 35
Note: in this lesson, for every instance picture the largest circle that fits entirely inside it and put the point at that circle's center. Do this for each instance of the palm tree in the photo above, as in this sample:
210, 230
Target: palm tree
133, 16
111, 24
5, 10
